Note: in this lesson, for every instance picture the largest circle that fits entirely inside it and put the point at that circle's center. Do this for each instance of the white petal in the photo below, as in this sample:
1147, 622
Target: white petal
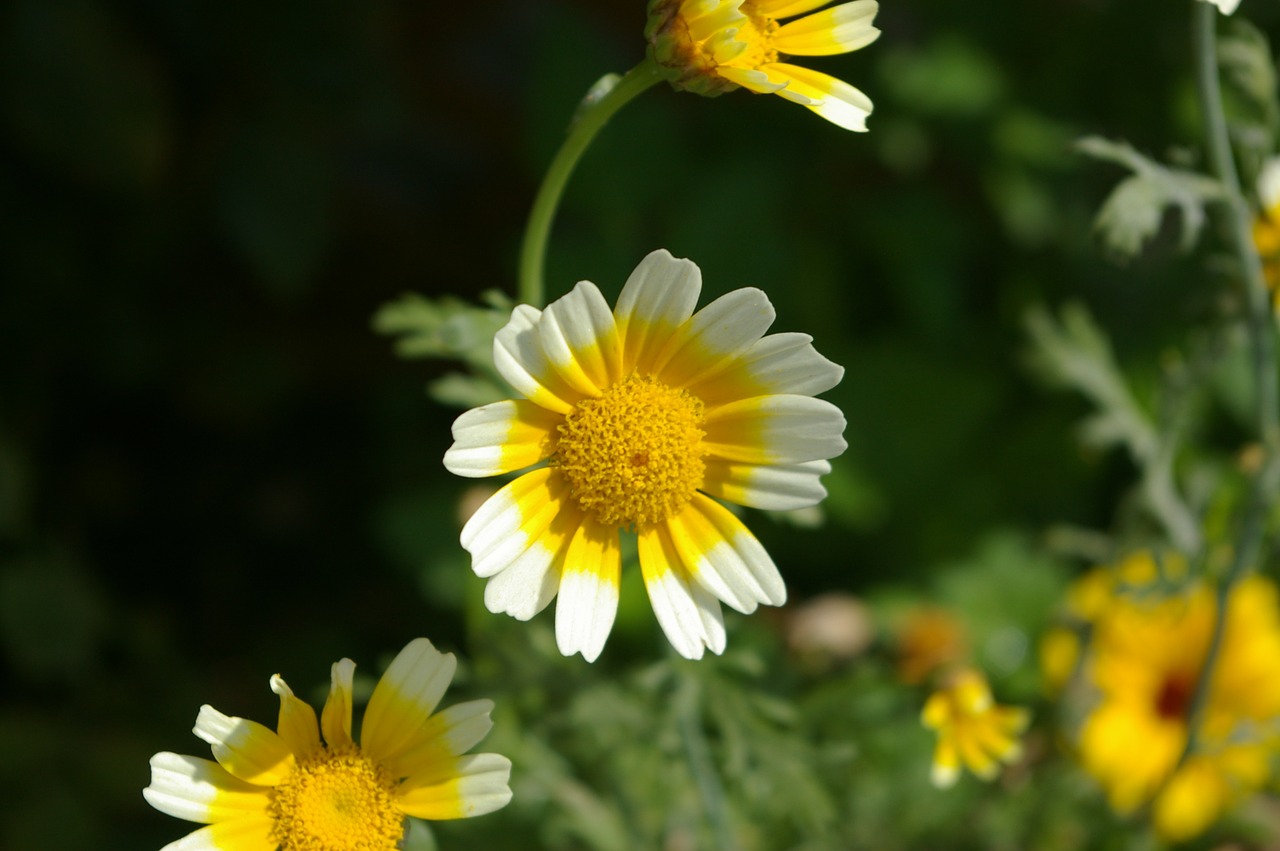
528, 583
404, 697
247, 749
776, 364
501, 437
526, 586
772, 487
713, 336
659, 296
445, 735
200, 790
839, 29
689, 616
519, 358
781, 429
508, 522
750, 78
1269, 184
835, 100
724, 557
588, 591
580, 339
479, 785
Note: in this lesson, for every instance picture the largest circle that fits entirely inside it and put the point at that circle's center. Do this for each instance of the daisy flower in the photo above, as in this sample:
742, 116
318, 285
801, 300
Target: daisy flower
973, 730
290, 791
641, 419
714, 46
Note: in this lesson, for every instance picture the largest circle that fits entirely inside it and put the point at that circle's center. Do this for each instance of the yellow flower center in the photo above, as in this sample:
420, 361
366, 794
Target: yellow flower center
336, 801
757, 34
633, 457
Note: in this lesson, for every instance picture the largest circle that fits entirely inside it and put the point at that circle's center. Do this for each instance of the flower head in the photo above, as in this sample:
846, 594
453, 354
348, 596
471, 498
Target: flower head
290, 791
1145, 662
1266, 225
714, 46
973, 730
640, 419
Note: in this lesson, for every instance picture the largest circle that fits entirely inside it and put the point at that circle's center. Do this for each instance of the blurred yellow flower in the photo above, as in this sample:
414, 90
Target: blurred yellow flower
287, 790
928, 639
1266, 225
714, 46
1145, 660
973, 730
642, 418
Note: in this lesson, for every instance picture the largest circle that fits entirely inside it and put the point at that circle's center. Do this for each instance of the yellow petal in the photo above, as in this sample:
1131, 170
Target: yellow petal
404, 698
477, 785
247, 749
297, 724
840, 29
335, 719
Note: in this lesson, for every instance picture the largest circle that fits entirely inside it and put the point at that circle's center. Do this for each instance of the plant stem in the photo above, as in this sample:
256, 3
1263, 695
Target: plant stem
593, 113
1260, 327
689, 720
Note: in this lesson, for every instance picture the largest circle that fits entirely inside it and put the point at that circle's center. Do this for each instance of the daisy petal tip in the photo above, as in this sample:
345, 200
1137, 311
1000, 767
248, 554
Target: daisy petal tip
944, 776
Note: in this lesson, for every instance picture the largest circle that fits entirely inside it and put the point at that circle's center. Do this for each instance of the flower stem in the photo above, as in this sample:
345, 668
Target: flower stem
593, 113
689, 721
1260, 327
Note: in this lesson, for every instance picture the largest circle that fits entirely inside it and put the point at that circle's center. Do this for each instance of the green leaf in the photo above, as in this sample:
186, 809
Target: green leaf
1131, 215
445, 327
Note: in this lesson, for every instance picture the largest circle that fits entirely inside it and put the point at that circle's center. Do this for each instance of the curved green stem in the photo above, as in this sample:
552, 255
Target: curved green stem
594, 111
1260, 326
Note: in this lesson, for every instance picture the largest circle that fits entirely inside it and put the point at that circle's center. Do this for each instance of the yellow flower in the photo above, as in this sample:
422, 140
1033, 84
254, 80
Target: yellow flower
1146, 659
713, 46
973, 730
287, 790
1266, 225
637, 418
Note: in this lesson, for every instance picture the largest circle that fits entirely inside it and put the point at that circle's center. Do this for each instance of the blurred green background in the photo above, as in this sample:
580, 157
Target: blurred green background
212, 470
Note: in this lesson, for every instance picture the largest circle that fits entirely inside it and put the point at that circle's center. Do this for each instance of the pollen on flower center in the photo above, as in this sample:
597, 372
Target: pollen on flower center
336, 801
633, 456
757, 34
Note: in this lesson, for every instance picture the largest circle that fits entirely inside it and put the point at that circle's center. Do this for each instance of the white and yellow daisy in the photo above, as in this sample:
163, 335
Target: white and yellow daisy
641, 418
713, 46
290, 791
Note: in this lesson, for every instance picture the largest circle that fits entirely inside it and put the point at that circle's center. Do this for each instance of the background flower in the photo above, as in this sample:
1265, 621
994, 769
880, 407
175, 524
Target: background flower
1145, 661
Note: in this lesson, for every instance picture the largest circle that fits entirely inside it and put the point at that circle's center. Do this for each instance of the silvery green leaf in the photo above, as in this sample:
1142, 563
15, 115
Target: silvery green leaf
1132, 214
445, 327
